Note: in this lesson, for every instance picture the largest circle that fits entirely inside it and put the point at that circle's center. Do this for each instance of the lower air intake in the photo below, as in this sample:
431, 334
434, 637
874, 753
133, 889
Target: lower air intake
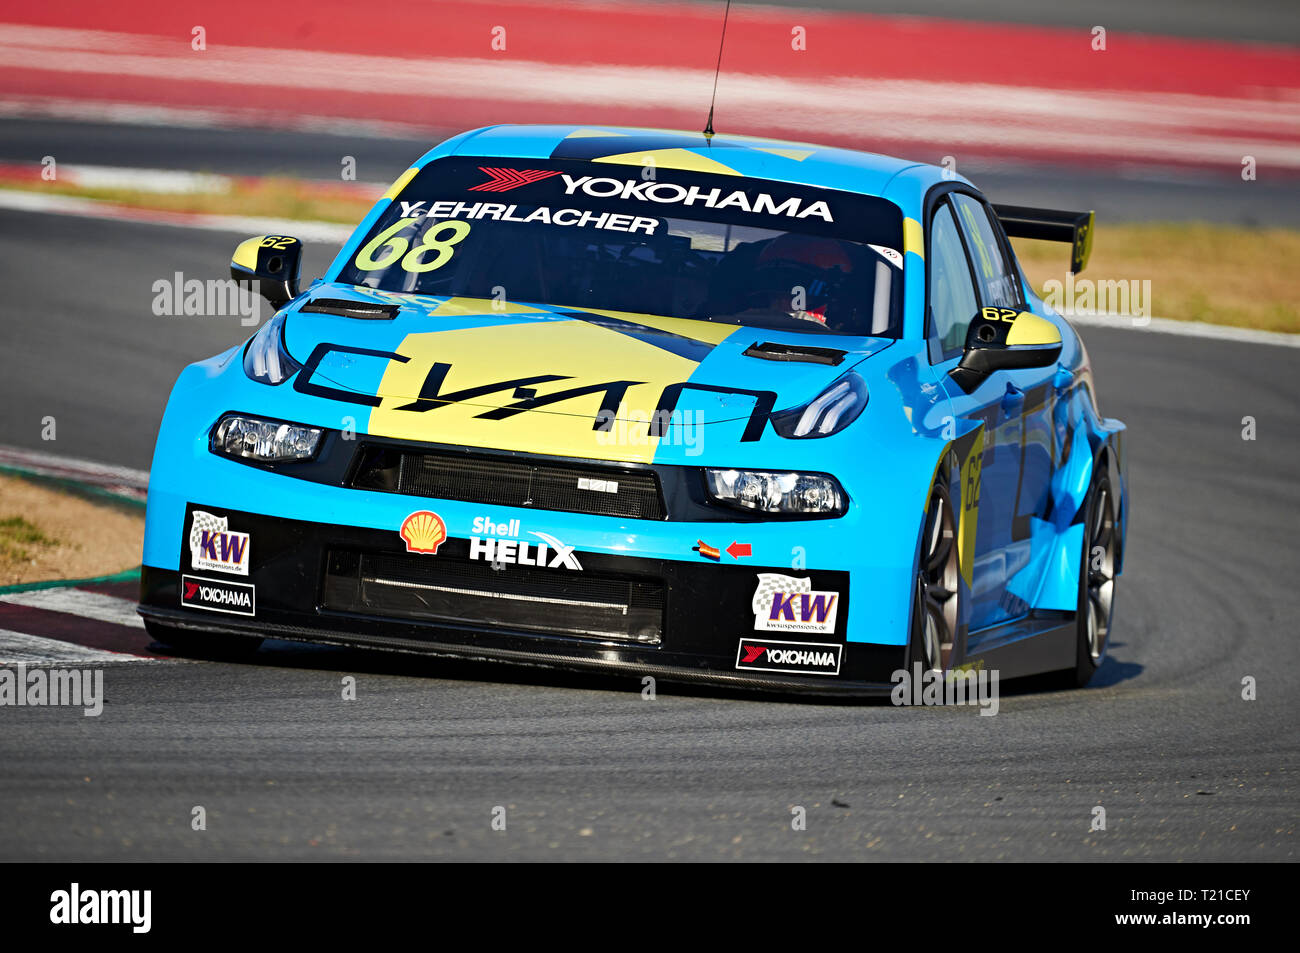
551, 602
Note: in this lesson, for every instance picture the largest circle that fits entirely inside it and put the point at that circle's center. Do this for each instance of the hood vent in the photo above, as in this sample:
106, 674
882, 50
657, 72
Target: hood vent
803, 353
344, 308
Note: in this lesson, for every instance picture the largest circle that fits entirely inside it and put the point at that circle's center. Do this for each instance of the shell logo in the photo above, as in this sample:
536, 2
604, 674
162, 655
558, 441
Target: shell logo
424, 532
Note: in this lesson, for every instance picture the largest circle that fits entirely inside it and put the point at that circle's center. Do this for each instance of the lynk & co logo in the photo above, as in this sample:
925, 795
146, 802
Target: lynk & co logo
523, 389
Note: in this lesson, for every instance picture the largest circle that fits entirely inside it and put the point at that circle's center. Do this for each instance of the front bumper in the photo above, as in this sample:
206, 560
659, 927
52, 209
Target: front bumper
318, 582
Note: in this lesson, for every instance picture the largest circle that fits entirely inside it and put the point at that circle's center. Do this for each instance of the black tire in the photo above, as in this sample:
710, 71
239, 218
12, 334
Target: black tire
208, 645
936, 591
1096, 604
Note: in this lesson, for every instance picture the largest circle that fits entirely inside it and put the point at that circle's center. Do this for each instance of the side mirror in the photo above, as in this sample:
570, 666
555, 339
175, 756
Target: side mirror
1005, 339
274, 261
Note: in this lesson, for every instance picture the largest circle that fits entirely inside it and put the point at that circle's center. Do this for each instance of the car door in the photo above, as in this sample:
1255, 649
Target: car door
1025, 401
953, 300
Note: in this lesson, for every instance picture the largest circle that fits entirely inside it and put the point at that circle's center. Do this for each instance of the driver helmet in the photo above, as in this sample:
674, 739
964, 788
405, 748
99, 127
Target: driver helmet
802, 273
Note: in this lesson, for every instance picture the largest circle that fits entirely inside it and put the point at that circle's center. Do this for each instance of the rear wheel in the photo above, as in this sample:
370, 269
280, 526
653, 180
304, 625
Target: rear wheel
936, 592
1096, 583
203, 644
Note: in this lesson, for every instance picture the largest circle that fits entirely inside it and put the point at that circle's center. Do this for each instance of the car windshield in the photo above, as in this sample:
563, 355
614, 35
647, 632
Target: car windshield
633, 239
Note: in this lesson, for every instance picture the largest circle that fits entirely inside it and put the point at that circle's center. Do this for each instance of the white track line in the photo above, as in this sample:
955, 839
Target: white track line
32, 649
1191, 329
181, 182
79, 602
164, 181
194, 117
88, 471
171, 181
323, 232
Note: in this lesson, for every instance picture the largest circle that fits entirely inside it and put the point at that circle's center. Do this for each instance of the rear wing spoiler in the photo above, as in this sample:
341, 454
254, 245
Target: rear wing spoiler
1050, 225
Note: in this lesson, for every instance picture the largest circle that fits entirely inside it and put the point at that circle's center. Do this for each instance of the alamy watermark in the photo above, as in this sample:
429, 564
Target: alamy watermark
972, 685
79, 906
40, 687
1129, 299
680, 428
179, 296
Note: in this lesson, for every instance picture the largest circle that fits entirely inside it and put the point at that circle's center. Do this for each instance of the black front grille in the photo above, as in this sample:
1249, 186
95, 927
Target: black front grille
507, 481
557, 602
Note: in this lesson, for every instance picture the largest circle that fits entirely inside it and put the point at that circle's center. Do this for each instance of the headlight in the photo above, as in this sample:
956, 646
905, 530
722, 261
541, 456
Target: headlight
267, 441
808, 494
265, 359
828, 413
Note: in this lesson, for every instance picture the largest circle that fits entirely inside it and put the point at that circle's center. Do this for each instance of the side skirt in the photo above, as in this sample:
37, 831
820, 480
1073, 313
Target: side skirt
1043, 641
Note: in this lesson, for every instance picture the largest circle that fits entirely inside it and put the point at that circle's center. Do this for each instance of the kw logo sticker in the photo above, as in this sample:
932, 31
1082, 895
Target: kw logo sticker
213, 547
786, 604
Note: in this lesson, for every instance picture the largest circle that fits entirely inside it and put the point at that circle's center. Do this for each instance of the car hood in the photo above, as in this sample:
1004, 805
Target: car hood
515, 375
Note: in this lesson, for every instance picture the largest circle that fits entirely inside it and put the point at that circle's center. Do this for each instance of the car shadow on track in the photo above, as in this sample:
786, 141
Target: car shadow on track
1113, 671
276, 653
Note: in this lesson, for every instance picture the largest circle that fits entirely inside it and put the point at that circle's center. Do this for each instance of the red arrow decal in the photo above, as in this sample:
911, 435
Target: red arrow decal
752, 652
503, 180
738, 549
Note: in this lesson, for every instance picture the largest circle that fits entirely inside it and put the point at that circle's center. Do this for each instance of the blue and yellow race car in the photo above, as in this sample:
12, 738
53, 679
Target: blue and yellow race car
711, 409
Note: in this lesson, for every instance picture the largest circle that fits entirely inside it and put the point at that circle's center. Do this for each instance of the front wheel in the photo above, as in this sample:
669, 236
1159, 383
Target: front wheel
936, 591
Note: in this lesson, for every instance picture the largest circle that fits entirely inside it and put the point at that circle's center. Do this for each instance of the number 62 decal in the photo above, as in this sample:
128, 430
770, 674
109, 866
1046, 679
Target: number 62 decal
999, 314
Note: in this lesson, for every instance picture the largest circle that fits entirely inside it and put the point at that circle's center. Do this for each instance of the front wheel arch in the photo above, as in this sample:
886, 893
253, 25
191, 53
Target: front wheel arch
935, 623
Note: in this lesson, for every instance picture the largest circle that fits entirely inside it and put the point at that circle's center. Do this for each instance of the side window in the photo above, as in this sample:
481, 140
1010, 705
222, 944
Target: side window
952, 299
997, 280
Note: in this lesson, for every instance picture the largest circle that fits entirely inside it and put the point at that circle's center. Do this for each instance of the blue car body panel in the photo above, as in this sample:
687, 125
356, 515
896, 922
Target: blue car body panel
916, 424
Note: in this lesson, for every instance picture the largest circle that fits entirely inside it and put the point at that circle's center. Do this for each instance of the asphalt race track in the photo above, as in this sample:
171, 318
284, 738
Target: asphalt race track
588, 769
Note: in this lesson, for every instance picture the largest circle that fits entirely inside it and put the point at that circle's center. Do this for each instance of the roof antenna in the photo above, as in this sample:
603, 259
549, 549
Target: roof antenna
708, 127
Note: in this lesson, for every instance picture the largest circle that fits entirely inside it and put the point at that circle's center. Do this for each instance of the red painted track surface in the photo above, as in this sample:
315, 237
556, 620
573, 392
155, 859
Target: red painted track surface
655, 34
927, 87
62, 626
